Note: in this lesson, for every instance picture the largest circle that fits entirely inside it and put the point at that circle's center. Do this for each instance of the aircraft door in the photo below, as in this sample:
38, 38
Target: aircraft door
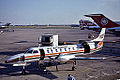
42, 53
86, 47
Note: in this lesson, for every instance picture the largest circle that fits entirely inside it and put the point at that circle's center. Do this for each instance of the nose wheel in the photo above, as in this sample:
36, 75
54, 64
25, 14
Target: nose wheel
74, 64
23, 70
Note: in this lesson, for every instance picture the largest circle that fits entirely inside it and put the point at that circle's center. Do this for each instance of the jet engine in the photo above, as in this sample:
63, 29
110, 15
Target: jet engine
64, 58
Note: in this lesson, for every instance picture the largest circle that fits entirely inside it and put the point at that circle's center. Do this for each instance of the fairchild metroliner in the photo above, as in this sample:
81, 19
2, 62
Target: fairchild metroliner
64, 53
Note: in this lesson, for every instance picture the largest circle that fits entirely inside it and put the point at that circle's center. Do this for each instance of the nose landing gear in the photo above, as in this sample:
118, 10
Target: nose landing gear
74, 64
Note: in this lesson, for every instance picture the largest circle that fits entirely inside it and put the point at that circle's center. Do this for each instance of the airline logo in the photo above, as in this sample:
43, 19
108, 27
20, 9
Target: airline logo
104, 21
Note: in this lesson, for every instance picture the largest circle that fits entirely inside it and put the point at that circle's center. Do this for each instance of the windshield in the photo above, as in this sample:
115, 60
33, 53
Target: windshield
35, 51
29, 51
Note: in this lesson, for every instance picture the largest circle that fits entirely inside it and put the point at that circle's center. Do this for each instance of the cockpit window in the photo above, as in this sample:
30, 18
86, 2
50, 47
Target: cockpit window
29, 51
35, 51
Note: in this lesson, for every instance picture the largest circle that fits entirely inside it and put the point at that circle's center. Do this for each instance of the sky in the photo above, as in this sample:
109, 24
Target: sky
55, 11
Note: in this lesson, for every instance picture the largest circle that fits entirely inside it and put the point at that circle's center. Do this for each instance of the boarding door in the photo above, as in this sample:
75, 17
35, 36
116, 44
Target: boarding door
86, 47
42, 54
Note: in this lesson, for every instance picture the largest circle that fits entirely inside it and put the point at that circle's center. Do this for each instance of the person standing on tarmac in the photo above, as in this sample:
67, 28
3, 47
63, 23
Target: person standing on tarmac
70, 77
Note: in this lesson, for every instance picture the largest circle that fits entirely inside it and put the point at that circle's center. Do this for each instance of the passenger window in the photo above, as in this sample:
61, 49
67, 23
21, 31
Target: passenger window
69, 49
48, 51
73, 48
29, 51
56, 50
65, 49
35, 51
51, 51
60, 50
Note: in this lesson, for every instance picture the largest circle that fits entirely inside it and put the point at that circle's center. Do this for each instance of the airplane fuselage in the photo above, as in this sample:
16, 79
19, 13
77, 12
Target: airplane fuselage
40, 53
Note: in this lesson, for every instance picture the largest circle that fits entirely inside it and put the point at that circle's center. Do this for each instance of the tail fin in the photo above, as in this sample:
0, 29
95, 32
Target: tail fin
102, 21
7, 24
101, 35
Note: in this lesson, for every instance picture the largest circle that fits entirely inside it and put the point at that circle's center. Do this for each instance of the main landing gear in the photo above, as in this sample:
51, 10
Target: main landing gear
42, 66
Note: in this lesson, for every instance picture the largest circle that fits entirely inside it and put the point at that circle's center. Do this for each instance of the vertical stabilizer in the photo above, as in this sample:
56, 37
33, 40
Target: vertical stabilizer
103, 21
101, 35
7, 24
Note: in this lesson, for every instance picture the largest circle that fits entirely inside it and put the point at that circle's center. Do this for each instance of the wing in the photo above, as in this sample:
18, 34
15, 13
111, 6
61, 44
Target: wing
88, 58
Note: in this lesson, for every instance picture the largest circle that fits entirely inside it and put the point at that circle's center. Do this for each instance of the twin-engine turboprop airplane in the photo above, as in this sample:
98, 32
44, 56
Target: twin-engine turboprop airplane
64, 53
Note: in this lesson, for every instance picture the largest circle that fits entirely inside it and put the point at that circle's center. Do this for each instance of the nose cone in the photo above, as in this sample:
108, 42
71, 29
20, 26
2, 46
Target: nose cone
7, 61
14, 58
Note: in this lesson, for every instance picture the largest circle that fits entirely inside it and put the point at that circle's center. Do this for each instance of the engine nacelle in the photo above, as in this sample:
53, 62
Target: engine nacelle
64, 58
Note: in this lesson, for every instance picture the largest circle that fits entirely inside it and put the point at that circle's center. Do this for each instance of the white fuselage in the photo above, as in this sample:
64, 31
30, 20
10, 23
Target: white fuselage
35, 53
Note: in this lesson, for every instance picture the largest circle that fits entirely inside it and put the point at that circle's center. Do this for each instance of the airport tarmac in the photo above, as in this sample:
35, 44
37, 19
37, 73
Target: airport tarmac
10, 44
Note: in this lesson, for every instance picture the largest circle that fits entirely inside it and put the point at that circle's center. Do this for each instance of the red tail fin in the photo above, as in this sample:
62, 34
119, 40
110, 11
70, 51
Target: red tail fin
102, 21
